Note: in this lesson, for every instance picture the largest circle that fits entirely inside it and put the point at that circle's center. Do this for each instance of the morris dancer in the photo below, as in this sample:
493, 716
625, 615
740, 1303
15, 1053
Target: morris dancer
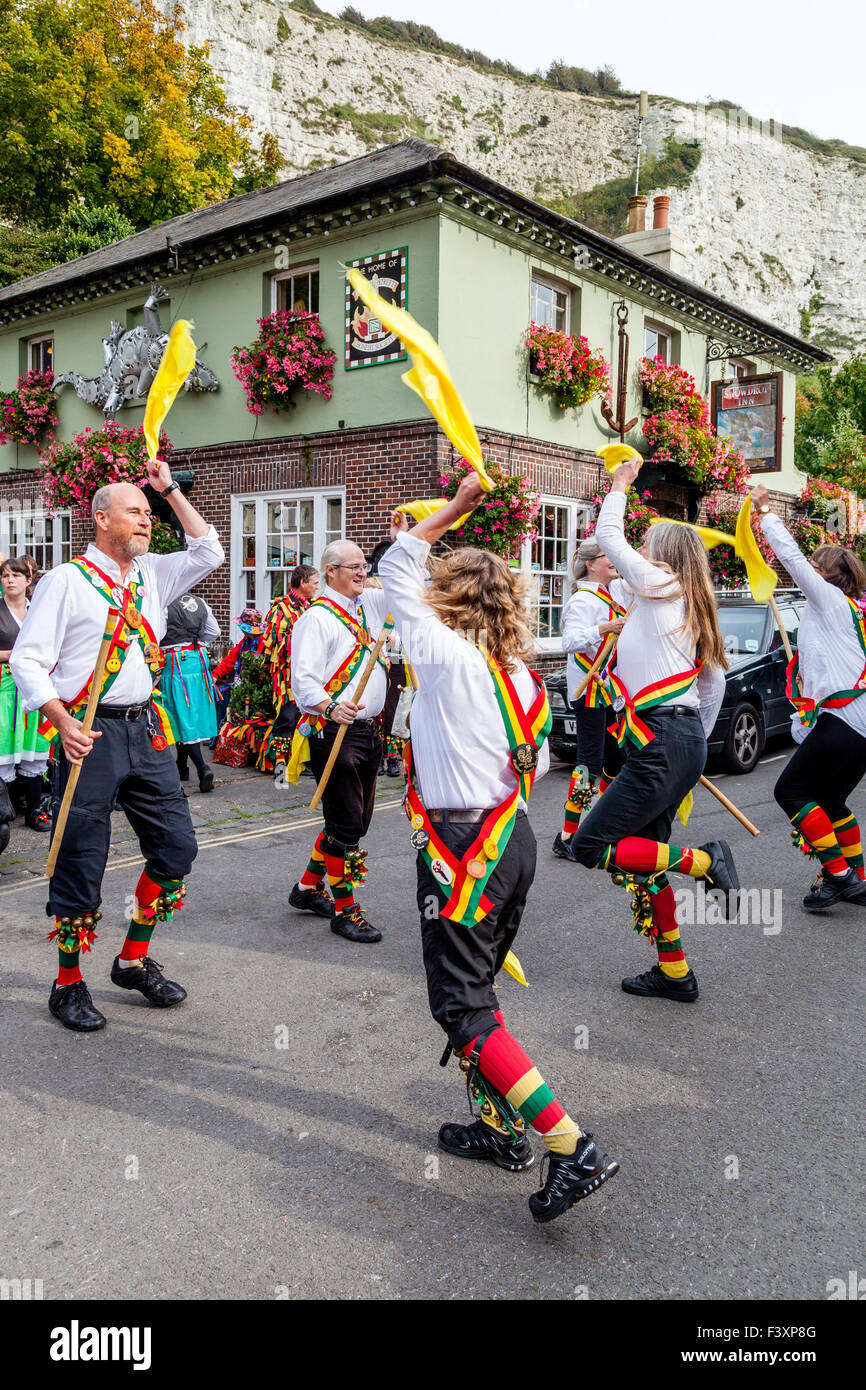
330, 645
829, 719
668, 685
22, 748
277, 647
480, 721
126, 760
589, 617
186, 684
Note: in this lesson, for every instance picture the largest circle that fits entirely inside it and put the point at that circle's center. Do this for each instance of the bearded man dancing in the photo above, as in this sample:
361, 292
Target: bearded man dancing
330, 646
125, 761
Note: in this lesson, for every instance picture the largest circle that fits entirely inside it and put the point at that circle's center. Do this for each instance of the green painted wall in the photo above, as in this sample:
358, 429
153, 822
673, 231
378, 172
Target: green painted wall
468, 286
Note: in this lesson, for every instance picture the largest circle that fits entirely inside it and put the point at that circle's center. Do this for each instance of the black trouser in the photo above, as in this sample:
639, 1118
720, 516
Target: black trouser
122, 769
827, 766
597, 750
347, 804
462, 962
396, 679
652, 782
284, 724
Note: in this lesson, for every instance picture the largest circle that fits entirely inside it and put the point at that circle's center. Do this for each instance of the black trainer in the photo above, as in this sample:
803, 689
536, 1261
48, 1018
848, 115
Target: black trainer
147, 977
354, 926
722, 874
481, 1141
205, 780
394, 767
829, 889
563, 848
312, 900
571, 1177
656, 984
75, 1009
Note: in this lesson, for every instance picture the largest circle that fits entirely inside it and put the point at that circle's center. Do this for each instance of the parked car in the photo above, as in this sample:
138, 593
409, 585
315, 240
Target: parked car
755, 706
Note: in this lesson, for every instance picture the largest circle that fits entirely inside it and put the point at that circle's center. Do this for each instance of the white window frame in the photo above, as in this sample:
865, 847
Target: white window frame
38, 515
538, 277
580, 516
281, 275
319, 496
740, 369
662, 331
38, 339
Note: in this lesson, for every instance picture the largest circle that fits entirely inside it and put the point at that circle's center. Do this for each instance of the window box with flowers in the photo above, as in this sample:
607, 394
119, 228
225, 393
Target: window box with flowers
565, 367
289, 355
505, 516
680, 433
29, 413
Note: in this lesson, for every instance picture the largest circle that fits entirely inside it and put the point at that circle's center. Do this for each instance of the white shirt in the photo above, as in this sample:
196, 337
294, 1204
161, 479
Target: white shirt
831, 657
460, 750
59, 641
650, 648
580, 619
321, 643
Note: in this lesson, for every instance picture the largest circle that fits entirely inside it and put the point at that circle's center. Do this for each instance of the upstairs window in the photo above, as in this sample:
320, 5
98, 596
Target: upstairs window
550, 303
657, 342
296, 290
40, 353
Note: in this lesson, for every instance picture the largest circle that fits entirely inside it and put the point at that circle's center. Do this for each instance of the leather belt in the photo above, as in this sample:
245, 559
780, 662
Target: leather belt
668, 709
128, 712
470, 815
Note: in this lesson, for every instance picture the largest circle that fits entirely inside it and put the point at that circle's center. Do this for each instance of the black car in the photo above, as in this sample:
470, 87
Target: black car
755, 704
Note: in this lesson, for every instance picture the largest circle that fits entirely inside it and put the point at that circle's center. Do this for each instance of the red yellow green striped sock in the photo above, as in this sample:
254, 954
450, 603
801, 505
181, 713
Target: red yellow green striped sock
315, 870
341, 889
672, 958
506, 1066
638, 856
814, 825
847, 833
143, 920
575, 803
68, 968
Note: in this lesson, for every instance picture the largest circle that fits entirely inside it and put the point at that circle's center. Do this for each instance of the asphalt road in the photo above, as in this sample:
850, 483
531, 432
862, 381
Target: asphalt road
274, 1136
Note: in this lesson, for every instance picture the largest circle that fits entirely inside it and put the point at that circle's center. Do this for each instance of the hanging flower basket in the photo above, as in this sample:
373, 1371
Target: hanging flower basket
71, 473
505, 516
639, 513
289, 355
727, 570
566, 367
29, 413
680, 432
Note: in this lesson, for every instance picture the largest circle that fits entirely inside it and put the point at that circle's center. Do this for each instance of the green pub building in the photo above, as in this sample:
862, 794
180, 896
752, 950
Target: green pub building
473, 262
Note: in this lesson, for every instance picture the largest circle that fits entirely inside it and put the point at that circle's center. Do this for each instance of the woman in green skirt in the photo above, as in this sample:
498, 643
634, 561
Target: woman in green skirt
22, 748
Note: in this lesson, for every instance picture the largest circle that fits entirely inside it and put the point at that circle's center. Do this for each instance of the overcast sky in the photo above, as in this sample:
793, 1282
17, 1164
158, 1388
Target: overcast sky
799, 63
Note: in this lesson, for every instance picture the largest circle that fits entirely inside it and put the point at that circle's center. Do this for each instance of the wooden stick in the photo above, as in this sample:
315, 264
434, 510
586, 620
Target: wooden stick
783, 632
86, 726
607, 648
341, 732
412, 676
729, 806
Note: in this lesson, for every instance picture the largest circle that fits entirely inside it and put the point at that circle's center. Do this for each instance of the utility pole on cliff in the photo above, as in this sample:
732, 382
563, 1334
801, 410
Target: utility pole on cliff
642, 115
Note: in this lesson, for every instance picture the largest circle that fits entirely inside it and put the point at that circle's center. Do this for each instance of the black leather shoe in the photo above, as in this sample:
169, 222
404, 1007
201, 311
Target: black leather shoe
481, 1141
722, 874
354, 926
40, 821
73, 1006
205, 780
382, 769
658, 985
571, 1177
562, 848
829, 889
147, 977
394, 767
311, 900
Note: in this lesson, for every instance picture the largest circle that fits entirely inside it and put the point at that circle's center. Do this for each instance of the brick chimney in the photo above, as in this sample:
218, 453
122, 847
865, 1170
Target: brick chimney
659, 243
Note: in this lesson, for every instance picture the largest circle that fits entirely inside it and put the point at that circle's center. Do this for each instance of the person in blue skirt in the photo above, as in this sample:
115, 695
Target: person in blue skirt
186, 683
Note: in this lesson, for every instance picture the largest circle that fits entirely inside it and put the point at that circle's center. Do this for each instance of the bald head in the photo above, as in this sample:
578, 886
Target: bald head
113, 495
122, 521
344, 567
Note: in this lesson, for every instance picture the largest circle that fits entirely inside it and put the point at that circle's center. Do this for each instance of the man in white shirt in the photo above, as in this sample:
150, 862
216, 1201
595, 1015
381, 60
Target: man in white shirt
330, 651
117, 587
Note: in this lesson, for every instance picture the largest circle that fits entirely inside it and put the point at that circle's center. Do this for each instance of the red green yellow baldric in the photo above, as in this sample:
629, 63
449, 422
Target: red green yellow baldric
598, 693
464, 880
629, 724
130, 627
807, 709
342, 677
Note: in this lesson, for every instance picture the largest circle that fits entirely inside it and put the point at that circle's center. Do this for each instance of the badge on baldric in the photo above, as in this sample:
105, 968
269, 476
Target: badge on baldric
441, 872
619, 703
132, 617
418, 839
525, 757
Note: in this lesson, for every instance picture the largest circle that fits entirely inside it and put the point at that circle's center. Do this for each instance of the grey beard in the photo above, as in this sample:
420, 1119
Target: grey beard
135, 546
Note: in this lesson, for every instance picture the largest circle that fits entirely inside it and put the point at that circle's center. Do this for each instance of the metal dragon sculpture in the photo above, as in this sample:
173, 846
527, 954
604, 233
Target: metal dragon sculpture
131, 359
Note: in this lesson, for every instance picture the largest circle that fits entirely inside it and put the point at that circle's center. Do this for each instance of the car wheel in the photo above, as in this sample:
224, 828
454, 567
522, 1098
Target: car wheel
745, 739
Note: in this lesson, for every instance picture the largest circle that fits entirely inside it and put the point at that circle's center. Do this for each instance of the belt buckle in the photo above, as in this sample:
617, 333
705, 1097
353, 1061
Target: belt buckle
132, 713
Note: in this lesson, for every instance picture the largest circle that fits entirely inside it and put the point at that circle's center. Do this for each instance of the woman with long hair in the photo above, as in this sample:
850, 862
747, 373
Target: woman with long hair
825, 683
479, 723
593, 612
668, 686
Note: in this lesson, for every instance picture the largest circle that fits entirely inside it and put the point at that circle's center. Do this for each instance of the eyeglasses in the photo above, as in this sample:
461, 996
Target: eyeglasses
356, 569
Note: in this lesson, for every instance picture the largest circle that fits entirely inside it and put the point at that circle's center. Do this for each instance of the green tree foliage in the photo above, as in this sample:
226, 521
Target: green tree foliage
605, 207
603, 81
100, 101
830, 439
25, 250
84, 228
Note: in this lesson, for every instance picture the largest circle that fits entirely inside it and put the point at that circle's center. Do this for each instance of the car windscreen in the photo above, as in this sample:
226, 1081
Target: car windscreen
742, 628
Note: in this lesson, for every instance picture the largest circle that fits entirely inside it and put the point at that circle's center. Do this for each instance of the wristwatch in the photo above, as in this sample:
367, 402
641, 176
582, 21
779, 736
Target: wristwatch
764, 509
172, 487
332, 706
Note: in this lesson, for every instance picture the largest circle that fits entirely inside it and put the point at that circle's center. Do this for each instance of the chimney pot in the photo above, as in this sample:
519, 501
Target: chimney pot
637, 213
661, 210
